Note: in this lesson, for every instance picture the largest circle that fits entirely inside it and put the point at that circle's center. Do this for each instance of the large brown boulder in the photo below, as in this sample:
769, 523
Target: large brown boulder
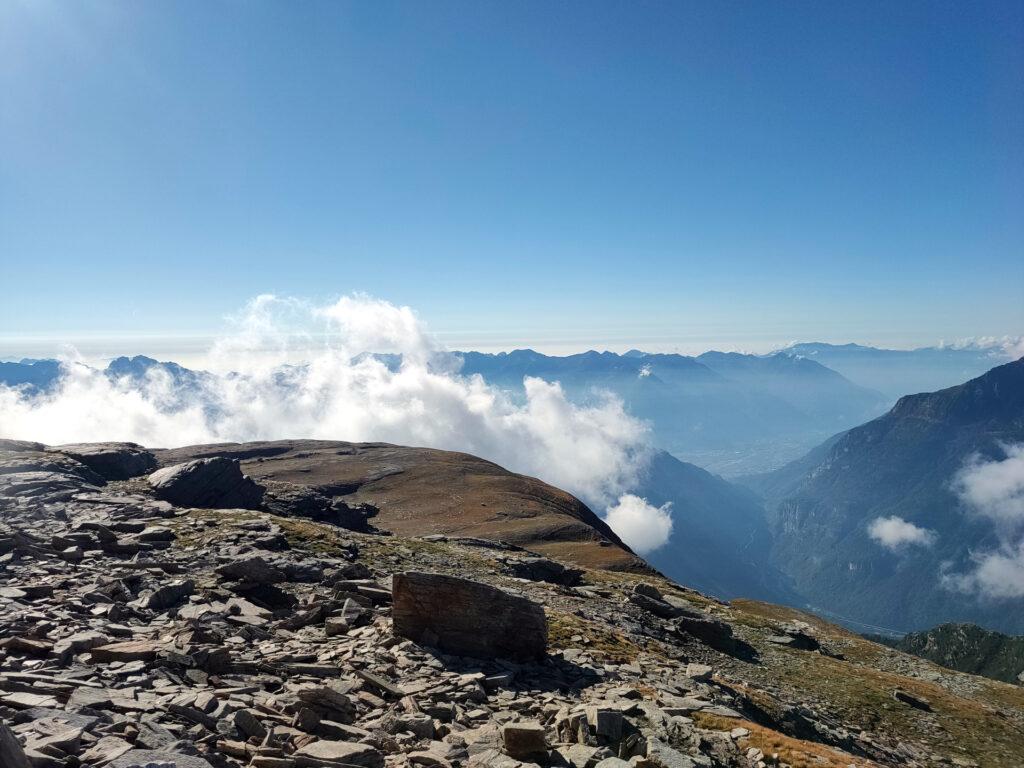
467, 618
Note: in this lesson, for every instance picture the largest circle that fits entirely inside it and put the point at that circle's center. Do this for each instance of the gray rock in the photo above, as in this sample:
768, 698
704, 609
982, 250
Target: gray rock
216, 483
111, 461
661, 755
701, 672
65, 648
648, 590
11, 753
708, 629
105, 750
145, 757
657, 606
467, 618
19, 446
543, 569
339, 752
252, 570
170, 595
917, 702
605, 721
130, 650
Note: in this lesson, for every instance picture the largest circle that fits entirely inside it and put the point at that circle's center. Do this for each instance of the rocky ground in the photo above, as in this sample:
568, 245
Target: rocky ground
139, 629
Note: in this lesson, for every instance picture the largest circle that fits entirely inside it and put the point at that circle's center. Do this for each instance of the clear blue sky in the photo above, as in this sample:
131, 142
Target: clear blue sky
561, 174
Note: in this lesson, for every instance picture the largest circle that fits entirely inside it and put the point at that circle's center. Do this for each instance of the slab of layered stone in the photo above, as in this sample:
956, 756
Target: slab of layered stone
340, 753
524, 740
137, 757
130, 650
467, 618
112, 461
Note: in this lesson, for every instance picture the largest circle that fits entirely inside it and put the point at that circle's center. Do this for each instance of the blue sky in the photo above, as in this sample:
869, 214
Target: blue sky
559, 175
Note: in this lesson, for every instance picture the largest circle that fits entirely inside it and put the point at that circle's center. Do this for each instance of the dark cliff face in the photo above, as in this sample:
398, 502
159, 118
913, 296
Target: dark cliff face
901, 464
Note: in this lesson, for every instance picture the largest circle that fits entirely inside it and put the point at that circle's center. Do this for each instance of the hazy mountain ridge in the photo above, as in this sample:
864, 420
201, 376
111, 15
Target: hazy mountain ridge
902, 465
898, 372
34, 375
729, 412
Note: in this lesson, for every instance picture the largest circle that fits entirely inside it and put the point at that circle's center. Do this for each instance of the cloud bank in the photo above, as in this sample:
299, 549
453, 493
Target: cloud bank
642, 526
994, 490
343, 393
896, 534
1011, 347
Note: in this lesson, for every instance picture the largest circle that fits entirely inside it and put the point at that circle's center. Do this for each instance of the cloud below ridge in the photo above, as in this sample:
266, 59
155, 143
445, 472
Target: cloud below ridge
643, 526
995, 490
341, 393
896, 534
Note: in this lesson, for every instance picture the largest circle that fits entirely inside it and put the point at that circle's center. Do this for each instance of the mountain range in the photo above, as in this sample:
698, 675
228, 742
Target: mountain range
803, 534
902, 466
733, 414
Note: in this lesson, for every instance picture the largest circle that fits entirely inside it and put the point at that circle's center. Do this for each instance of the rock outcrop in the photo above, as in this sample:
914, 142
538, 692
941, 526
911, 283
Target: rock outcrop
214, 483
111, 461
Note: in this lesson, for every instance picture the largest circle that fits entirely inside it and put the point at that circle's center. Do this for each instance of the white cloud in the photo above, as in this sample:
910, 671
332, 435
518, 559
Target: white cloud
996, 574
1014, 348
596, 452
894, 533
995, 490
1011, 347
642, 526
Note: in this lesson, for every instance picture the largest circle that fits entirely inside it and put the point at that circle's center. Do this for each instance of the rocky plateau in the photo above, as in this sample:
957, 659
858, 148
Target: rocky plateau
307, 604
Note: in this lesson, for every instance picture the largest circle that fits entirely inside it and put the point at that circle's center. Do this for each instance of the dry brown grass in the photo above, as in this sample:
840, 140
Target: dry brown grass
794, 752
965, 720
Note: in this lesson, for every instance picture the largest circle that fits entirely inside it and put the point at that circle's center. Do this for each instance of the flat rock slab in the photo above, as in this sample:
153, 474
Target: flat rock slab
145, 757
339, 752
130, 650
467, 618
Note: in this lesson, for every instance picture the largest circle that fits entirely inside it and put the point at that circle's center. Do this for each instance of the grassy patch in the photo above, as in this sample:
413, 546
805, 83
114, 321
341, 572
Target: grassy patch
604, 644
957, 725
794, 752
